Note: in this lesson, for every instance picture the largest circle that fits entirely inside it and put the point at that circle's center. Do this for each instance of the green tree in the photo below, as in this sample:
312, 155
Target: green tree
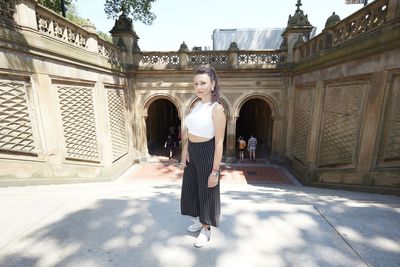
139, 10
55, 5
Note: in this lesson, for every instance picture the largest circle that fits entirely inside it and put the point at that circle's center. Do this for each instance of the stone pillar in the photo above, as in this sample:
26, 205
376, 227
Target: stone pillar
371, 122
104, 130
50, 118
127, 40
233, 51
183, 56
394, 10
312, 150
298, 26
230, 139
92, 42
25, 13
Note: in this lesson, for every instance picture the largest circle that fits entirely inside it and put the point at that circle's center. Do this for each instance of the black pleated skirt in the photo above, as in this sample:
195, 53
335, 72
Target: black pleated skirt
197, 200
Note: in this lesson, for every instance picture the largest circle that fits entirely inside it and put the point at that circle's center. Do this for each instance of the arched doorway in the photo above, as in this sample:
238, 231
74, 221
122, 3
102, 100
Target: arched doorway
255, 117
162, 120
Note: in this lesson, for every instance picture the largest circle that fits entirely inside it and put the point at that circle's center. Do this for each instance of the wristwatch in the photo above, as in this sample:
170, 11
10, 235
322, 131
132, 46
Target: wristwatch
216, 172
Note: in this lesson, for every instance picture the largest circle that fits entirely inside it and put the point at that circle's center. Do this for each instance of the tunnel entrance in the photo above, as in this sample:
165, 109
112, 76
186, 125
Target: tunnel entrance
255, 118
162, 120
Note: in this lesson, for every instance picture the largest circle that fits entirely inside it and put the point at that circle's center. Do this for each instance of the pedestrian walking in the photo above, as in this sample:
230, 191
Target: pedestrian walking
251, 147
242, 146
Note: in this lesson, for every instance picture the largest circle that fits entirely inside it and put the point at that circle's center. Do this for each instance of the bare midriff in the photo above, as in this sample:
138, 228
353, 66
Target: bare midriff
197, 139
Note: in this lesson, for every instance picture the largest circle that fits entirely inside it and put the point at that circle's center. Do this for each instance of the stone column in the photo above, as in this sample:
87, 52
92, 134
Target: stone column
50, 119
371, 123
127, 40
25, 13
312, 150
394, 10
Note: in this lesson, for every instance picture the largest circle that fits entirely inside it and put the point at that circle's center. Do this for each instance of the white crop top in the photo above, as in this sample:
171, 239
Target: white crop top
199, 121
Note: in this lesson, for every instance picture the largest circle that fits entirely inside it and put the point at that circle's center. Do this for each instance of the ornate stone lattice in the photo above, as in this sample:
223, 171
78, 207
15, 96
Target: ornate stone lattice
119, 140
7, 9
373, 16
393, 144
340, 125
77, 113
160, 59
207, 58
16, 133
258, 58
51, 25
302, 121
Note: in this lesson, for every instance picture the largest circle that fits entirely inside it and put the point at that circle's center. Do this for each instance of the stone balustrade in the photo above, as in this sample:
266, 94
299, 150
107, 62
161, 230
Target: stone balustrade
219, 59
361, 22
55, 26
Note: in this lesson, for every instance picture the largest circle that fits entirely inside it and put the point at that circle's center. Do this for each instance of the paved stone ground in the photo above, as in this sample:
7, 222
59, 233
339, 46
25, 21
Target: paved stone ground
135, 221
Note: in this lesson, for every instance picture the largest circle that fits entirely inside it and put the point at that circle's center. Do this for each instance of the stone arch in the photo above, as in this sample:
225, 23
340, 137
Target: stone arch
271, 102
269, 139
178, 105
159, 122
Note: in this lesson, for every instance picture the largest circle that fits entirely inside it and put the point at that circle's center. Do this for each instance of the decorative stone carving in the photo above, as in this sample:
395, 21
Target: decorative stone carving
185, 96
341, 119
232, 97
16, 133
79, 124
7, 9
116, 112
302, 122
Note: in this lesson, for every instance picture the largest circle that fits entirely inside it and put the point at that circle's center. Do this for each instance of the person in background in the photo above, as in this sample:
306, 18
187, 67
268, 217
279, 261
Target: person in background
242, 146
169, 144
202, 155
251, 147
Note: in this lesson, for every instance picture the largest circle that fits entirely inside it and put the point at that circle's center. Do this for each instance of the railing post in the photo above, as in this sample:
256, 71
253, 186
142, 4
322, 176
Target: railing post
183, 56
127, 40
393, 9
92, 43
233, 51
25, 13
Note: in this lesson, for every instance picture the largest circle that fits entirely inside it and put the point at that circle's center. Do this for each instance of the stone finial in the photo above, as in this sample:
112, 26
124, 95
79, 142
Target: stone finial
89, 26
183, 47
332, 20
298, 19
123, 25
233, 47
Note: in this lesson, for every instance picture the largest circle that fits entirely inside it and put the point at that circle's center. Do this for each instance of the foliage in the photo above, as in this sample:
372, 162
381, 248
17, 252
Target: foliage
139, 10
105, 36
55, 5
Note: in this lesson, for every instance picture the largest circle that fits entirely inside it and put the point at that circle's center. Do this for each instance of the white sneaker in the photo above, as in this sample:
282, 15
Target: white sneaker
196, 226
203, 238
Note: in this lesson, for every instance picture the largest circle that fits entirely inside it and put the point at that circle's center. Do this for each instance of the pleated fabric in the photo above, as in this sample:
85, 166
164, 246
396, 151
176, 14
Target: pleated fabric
197, 200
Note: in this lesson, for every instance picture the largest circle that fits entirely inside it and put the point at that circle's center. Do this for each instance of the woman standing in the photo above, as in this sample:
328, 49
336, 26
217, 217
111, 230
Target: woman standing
202, 155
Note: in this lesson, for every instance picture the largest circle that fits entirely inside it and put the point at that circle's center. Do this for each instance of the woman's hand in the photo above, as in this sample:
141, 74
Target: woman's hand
185, 158
212, 180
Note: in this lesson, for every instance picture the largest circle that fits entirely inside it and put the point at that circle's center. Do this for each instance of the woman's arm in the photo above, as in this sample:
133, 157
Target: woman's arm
185, 153
219, 120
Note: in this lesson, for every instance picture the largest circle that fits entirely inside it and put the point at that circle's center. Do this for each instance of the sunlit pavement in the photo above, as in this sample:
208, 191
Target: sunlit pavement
135, 221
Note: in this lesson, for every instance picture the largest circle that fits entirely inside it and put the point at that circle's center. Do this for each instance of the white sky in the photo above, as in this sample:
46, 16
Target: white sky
194, 21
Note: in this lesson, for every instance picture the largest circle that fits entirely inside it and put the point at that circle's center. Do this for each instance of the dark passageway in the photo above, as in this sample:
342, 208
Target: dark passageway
255, 118
162, 120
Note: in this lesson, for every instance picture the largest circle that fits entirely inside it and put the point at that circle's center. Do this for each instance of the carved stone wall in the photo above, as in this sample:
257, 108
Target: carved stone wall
302, 122
79, 123
341, 120
116, 111
16, 133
